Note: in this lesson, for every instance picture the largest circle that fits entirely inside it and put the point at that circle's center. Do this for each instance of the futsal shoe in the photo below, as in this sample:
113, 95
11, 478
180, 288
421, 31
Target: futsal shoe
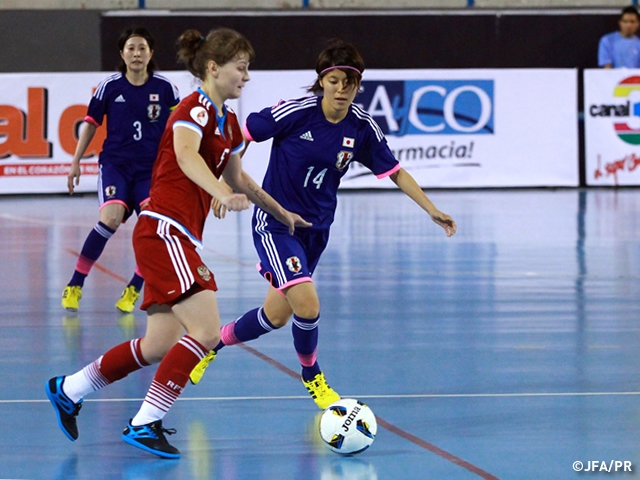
320, 391
71, 296
150, 438
66, 410
198, 372
128, 300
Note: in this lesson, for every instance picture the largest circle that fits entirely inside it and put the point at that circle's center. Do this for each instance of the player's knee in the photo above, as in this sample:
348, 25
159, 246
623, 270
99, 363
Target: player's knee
112, 222
310, 310
280, 321
209, 339
155, 357
154, 352
304, 301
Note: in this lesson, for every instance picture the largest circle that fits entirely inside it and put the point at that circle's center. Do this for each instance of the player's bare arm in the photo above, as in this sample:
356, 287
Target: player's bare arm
218, 209
240, 181
246, 146
86, 135
410, 187
186, 144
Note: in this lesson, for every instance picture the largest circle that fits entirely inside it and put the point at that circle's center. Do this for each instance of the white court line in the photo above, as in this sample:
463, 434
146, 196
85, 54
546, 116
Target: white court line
405, 396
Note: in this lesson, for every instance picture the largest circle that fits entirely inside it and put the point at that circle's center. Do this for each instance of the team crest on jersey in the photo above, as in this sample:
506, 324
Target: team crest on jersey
348, 142
200, 115
110, 191
204, 272
294, 264
343, 159
153, 111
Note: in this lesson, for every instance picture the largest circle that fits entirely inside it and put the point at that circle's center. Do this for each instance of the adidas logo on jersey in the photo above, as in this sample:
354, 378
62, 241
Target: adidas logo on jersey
120, 99
307, 136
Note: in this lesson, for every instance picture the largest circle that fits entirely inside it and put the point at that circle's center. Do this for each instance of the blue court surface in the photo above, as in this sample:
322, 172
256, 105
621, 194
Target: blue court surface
509, 351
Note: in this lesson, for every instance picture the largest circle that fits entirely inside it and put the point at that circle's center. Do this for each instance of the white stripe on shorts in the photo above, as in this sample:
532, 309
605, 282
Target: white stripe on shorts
100, 189
177, 256
270, 247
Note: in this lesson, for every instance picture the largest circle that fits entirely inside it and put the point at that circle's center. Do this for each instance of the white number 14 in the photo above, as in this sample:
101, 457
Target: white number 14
317, 179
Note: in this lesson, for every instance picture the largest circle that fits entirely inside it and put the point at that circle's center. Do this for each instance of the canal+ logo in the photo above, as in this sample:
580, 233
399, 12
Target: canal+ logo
629, 89
419, 107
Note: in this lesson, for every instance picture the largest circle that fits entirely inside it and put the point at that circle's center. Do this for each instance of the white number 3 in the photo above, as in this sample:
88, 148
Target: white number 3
138, 134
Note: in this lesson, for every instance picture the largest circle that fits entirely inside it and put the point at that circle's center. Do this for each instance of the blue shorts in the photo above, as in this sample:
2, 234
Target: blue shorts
124, 184
286, 260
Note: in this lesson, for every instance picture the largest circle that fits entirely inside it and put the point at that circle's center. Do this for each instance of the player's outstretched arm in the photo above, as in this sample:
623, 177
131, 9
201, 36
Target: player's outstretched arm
186, 143
410, 187
240, 181
86, 135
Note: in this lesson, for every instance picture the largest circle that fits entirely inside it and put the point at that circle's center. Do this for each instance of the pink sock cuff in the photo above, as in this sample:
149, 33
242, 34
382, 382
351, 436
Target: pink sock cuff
308, 360
227, 335
84, 264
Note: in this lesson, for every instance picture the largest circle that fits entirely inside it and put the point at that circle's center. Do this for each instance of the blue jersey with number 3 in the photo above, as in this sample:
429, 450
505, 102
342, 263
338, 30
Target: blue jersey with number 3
136, 117
310, 155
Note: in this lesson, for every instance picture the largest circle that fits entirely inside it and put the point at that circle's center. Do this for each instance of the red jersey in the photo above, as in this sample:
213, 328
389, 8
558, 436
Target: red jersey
173, 194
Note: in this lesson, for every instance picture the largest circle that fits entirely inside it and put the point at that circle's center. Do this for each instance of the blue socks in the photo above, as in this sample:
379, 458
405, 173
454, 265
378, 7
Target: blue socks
305, 341
136, 281
91, 251
255, 323
250, 326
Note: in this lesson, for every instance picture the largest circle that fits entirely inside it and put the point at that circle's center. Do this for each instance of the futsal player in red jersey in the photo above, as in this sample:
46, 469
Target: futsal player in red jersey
201, 143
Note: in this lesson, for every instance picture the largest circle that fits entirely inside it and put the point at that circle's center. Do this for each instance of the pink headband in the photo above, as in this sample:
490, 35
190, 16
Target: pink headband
340, 66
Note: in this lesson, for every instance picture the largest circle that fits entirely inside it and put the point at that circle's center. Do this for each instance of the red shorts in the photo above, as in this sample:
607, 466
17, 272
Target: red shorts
168, 261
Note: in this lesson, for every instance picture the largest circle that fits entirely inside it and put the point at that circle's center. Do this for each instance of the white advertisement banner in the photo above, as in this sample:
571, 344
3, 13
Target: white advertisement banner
454, 128
448, 128
612, 126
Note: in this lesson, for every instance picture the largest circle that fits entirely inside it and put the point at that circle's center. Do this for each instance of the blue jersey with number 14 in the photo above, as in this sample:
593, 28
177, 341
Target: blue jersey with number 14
310, 155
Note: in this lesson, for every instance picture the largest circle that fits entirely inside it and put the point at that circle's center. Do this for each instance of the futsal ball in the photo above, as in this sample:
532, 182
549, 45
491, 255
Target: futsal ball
348, 426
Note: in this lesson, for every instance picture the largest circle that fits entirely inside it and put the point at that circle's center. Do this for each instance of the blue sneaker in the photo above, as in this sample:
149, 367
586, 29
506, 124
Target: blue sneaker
150, 437
66, 410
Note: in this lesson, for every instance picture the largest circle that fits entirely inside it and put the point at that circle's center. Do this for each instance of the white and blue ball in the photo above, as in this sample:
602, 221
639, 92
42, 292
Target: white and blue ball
348, 426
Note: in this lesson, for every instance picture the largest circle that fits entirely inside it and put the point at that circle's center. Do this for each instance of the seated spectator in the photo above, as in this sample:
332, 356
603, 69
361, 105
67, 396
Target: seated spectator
621, 49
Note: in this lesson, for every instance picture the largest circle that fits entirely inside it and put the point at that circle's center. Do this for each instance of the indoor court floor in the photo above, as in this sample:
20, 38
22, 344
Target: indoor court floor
509, 351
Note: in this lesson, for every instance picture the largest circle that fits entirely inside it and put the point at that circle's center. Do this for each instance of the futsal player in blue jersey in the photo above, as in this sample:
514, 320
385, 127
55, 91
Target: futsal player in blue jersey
621, 49
315, 139
137, 103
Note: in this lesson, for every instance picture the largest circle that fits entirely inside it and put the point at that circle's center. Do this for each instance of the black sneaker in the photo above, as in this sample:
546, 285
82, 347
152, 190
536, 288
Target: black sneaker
66, 410
150, 437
